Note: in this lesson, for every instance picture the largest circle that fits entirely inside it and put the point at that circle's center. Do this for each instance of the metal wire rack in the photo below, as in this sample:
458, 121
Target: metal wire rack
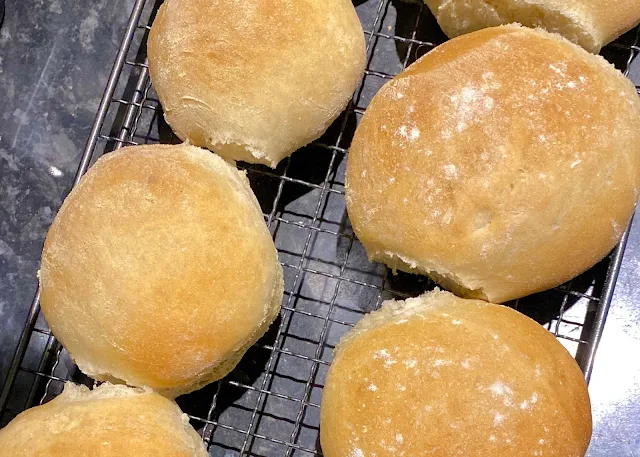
269, 405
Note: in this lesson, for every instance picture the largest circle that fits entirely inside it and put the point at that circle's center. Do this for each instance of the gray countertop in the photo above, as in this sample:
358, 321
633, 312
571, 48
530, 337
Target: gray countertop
55, 57
615, 383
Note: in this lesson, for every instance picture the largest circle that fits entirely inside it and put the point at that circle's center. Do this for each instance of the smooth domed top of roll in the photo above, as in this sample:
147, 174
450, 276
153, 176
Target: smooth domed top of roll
589, 23
443, 376
255, 80
109, 421
502, 163
159, 269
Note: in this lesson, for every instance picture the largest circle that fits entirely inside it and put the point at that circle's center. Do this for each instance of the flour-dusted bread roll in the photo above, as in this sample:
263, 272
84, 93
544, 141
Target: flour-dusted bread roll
255, 80
159, 270
589, 23
443, 376
109, 421
502, 163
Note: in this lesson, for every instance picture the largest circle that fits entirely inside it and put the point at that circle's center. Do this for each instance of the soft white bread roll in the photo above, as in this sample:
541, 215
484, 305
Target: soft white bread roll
159, 270
443, 376
255, 80
109, 421
502, 163
589, 23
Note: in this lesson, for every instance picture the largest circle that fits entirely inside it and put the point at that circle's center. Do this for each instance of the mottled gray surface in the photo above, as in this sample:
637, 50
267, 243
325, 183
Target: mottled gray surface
55, 58
615, 384
54, 61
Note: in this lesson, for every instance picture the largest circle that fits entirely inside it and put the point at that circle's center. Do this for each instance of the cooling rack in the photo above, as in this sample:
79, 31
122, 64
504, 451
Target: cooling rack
269, 405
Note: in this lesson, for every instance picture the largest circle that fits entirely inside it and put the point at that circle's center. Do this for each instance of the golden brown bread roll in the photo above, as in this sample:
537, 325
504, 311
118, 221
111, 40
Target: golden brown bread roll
589, 23
159, 270
255, 80
443, 376
109, 421
502, 163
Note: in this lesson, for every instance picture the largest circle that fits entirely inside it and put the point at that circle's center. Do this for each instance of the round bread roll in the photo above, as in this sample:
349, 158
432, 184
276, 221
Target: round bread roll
159, 270
255, 80
109, 421
443, 376
589, 23
502, 163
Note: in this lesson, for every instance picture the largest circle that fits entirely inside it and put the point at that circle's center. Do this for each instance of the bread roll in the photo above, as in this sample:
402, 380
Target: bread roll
589, 23
255, 80
109, 421
497, 173
442, 376
159, 270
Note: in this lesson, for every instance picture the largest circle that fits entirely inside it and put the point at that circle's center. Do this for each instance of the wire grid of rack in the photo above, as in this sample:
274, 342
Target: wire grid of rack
269, 405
